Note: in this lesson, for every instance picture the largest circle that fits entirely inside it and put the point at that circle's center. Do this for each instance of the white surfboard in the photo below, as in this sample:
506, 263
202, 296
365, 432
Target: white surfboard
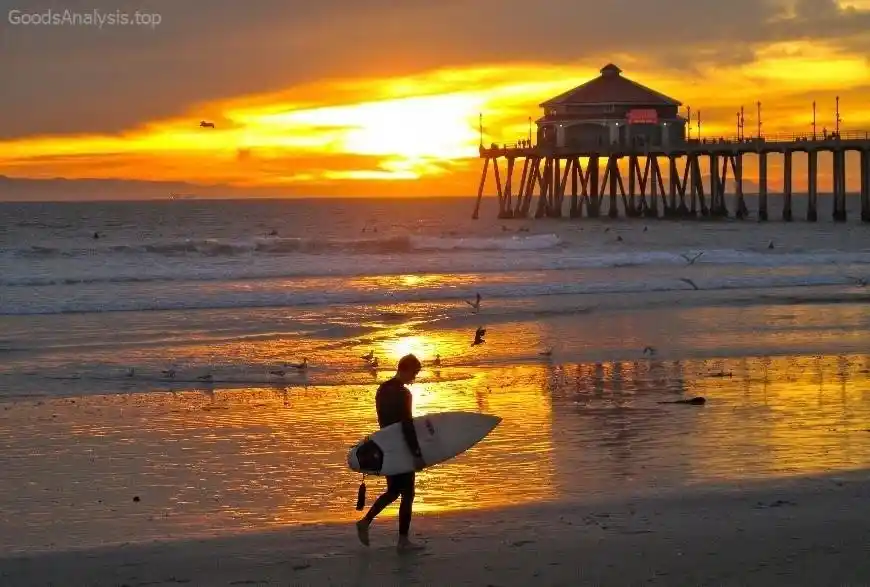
442, 436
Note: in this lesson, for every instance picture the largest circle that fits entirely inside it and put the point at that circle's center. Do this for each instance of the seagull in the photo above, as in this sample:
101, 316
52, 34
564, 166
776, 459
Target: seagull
547, 353
859, 281
649, 350
278, 372
301, 366
770, 245
437, 361
131, 372
204, 124
475, 304
690, 282
368, 356
373, 364
645, 229
691, 260
478, 336
169, 373
206, 377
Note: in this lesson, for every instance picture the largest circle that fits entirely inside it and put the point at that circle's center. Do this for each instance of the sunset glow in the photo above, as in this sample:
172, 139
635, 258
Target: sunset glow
352, 136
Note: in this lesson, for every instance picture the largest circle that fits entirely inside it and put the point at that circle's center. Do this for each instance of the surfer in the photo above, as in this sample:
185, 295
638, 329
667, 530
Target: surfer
394, 404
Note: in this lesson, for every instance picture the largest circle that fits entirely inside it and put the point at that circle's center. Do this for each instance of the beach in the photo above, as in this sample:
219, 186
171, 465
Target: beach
811, 531
117, 473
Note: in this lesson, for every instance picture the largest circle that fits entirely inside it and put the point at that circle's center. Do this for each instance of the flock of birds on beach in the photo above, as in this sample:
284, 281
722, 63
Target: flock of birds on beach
372, 362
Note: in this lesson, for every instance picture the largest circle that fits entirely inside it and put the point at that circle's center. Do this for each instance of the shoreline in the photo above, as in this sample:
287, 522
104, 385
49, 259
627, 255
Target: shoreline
806, 531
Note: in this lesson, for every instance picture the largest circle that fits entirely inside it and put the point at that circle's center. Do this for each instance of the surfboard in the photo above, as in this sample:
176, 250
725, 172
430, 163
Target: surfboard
441, 435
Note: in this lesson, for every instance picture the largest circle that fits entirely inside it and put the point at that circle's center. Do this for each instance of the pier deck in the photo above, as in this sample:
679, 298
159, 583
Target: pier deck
585, 174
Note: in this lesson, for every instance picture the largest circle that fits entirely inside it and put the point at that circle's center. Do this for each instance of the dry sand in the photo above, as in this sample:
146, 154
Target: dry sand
812, 531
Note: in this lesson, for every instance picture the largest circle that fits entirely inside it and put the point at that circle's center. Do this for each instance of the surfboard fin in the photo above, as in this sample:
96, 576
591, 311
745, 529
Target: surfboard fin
361, 495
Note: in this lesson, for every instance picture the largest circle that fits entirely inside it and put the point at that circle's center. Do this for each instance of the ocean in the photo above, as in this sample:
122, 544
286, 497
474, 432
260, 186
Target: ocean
768, 321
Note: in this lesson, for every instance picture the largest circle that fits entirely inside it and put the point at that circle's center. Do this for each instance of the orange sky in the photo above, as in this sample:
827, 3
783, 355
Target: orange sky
417, 132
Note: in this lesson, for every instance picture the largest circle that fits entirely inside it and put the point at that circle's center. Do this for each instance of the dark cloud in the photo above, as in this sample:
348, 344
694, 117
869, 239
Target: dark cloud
78, 79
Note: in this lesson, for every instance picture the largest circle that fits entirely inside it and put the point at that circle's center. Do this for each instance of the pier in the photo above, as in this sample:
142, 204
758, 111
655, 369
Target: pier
588, 134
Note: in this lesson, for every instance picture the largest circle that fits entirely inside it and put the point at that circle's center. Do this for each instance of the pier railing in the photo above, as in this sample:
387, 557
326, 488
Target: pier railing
783, 138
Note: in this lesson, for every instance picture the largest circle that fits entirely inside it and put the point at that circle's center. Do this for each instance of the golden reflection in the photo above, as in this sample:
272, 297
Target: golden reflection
440, 280
246, 459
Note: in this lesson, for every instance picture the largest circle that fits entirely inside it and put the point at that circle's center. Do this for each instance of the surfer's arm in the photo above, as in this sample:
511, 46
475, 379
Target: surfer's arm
408, 430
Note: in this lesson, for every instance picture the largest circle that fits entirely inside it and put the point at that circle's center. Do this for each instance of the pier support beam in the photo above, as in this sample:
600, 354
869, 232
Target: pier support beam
839, 212
762, 187
476, 213
865, 185
786, 188
544, 181
812, 185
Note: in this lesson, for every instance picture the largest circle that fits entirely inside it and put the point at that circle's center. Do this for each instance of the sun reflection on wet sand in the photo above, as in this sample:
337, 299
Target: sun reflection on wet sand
242, 459
229, 460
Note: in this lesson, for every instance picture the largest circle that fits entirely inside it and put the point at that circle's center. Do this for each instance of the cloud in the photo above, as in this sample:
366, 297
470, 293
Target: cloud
83, 79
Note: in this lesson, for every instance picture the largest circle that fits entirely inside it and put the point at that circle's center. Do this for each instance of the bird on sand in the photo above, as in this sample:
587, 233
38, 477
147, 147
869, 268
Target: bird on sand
169, 373
475, 304
368, 356
300, 366
206, 377
690, 282
204, 124
691, 260
278, 372
131, 372
373, 364
695, 401
437, 361
547, 353
648, 350
478, 336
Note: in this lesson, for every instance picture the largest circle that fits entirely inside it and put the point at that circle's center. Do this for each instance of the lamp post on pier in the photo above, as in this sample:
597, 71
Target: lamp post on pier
758, 104
814, 120
530, 131
689, 117
838, 120
699, 125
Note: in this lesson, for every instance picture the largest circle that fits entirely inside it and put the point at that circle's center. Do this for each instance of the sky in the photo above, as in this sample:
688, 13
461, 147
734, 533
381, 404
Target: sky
341, 97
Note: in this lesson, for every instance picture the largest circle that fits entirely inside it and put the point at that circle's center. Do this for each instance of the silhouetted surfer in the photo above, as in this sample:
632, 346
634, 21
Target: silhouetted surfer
394, 403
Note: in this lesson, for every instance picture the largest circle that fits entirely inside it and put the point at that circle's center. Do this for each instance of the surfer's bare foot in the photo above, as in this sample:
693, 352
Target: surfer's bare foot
406, 545
362, 532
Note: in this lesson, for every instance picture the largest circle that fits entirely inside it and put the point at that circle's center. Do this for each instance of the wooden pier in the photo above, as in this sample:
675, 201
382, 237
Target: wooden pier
595, 184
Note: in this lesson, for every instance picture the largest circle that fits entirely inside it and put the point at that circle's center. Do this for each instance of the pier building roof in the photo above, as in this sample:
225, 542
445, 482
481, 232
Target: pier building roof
611, 88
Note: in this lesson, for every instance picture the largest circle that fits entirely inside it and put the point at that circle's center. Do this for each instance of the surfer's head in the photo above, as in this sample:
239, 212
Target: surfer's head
409, 366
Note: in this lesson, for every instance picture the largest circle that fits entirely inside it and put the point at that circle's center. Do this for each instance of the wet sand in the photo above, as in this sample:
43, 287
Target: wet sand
243, 481
809, 531
226, 461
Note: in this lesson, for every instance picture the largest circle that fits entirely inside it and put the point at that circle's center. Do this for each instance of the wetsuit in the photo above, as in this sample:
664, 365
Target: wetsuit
393, 401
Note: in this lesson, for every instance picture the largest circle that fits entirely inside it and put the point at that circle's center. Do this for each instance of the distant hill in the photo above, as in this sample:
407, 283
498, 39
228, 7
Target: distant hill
59, 189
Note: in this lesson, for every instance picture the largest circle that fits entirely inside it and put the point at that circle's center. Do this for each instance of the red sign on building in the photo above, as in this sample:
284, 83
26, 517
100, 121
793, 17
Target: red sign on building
643, 116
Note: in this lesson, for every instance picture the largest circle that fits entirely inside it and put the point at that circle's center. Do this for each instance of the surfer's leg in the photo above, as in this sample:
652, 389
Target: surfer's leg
394, 487
362, 526
385, 499
405, 510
